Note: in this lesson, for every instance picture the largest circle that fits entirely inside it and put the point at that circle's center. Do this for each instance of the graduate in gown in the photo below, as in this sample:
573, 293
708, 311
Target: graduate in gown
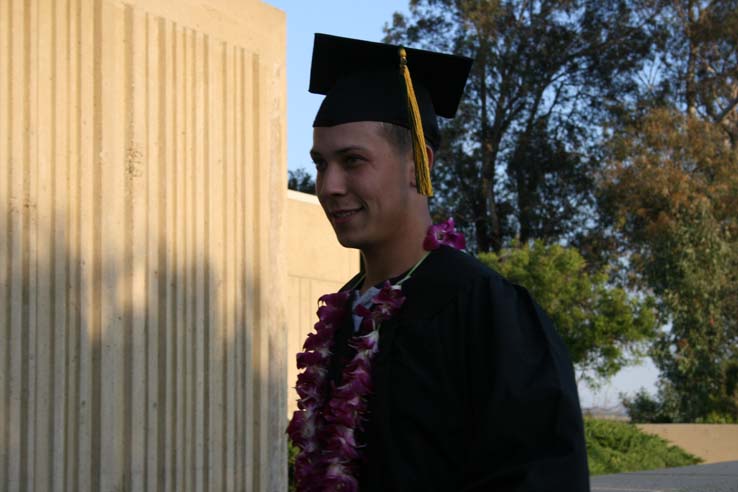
428, 371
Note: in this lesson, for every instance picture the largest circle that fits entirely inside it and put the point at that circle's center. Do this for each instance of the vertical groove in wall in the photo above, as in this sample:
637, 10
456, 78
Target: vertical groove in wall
178, 286
233, 269
172, 284
67, 283
128, 81
139, 205
150, 160
75, 316
132, 157
206, 274
24, 280
186, 250
163, 277
6, 258
55, 335
183, 277
239, 267
243, 327
63, 283
191, 266
223, 212
96, 227
131, 220
36, 152
258, 340
247, 370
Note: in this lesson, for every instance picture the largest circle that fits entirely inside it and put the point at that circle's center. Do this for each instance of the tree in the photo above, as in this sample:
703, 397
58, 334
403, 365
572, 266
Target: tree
300, 180
544, 72
603, 327
671, 190
669, 195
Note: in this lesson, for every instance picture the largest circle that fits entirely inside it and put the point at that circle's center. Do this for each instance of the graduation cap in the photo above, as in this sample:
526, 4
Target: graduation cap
367, 81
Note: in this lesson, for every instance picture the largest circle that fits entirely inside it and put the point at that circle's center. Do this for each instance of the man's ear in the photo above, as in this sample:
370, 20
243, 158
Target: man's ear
431, 160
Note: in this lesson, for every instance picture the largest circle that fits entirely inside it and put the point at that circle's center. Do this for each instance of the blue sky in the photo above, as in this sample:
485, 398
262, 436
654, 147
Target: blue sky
365, 19
361, 19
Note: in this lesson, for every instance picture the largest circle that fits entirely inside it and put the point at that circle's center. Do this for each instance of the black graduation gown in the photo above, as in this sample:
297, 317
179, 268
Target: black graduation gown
473, 389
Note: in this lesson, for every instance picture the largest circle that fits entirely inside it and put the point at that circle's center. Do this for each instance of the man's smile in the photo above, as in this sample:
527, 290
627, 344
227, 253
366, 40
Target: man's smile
340, 216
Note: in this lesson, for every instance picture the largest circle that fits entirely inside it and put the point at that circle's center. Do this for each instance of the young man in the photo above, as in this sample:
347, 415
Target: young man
428, 372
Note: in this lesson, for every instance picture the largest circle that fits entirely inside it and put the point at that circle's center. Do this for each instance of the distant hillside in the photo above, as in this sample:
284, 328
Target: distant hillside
616, 412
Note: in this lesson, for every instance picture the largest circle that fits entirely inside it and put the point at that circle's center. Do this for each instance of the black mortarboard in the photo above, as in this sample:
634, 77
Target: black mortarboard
367, 81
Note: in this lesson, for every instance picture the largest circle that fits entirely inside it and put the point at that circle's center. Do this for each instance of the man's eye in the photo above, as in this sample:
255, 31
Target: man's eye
353, 160
319, 165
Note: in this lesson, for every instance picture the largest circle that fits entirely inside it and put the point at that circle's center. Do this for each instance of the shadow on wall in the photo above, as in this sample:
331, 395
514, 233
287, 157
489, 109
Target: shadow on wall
126, 368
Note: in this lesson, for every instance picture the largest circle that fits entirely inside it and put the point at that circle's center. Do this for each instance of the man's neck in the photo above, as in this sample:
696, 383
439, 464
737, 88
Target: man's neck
391, 260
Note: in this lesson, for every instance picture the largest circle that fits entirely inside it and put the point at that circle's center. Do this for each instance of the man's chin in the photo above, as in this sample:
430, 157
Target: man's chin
348, 240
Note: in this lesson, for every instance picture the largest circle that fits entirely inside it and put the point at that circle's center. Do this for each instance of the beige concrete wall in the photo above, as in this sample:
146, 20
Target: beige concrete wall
711, 442
316, 264
142, 169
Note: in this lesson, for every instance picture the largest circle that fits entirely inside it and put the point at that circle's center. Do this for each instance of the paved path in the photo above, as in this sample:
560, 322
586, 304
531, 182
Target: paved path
715, 477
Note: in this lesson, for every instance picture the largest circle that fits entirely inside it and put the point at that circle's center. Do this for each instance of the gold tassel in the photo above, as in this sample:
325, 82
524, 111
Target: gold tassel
420, 156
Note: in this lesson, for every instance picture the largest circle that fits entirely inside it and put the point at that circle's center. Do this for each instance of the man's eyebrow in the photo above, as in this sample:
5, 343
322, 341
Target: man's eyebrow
343, 150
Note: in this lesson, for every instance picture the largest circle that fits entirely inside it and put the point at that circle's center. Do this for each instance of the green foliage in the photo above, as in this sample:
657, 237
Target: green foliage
666, 407
671, 191
292, 452
300, 180
669, 195
617, 447
643, 408
603, 327
518, 159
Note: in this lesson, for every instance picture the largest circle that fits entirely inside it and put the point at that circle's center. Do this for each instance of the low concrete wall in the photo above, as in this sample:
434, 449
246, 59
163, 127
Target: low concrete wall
316, 264
711, 442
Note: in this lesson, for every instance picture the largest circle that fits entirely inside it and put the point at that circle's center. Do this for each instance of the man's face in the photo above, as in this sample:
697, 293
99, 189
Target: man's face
362, 182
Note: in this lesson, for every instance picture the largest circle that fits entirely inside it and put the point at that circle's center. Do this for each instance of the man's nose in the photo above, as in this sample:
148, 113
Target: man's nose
332, 181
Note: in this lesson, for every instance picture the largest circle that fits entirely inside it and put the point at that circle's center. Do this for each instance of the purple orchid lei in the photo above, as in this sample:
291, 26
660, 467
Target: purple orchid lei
325, 429
444, 233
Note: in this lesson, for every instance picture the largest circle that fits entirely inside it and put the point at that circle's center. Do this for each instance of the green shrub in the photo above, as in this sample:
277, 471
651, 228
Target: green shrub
292, 451
617, 447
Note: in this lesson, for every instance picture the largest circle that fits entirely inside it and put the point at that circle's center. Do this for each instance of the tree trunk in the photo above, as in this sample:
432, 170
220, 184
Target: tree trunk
488, 239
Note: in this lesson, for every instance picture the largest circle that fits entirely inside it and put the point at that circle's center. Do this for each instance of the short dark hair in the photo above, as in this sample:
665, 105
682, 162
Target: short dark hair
400, 137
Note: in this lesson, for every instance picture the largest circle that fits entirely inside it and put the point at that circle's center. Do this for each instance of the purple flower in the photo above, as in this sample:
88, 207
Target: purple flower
387, 301
363, 311
294, 429
312, 375
308, 392
339, 477
366, 342
320, 356
443, 233
330, 315
342, 442
323, 336
337, 300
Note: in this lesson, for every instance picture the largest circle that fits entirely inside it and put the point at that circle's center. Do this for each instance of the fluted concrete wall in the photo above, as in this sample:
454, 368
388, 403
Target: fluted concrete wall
316, 264
142, 177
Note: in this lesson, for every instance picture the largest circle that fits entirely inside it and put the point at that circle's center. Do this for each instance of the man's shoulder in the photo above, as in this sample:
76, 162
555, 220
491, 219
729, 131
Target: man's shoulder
460, 264
447, 276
